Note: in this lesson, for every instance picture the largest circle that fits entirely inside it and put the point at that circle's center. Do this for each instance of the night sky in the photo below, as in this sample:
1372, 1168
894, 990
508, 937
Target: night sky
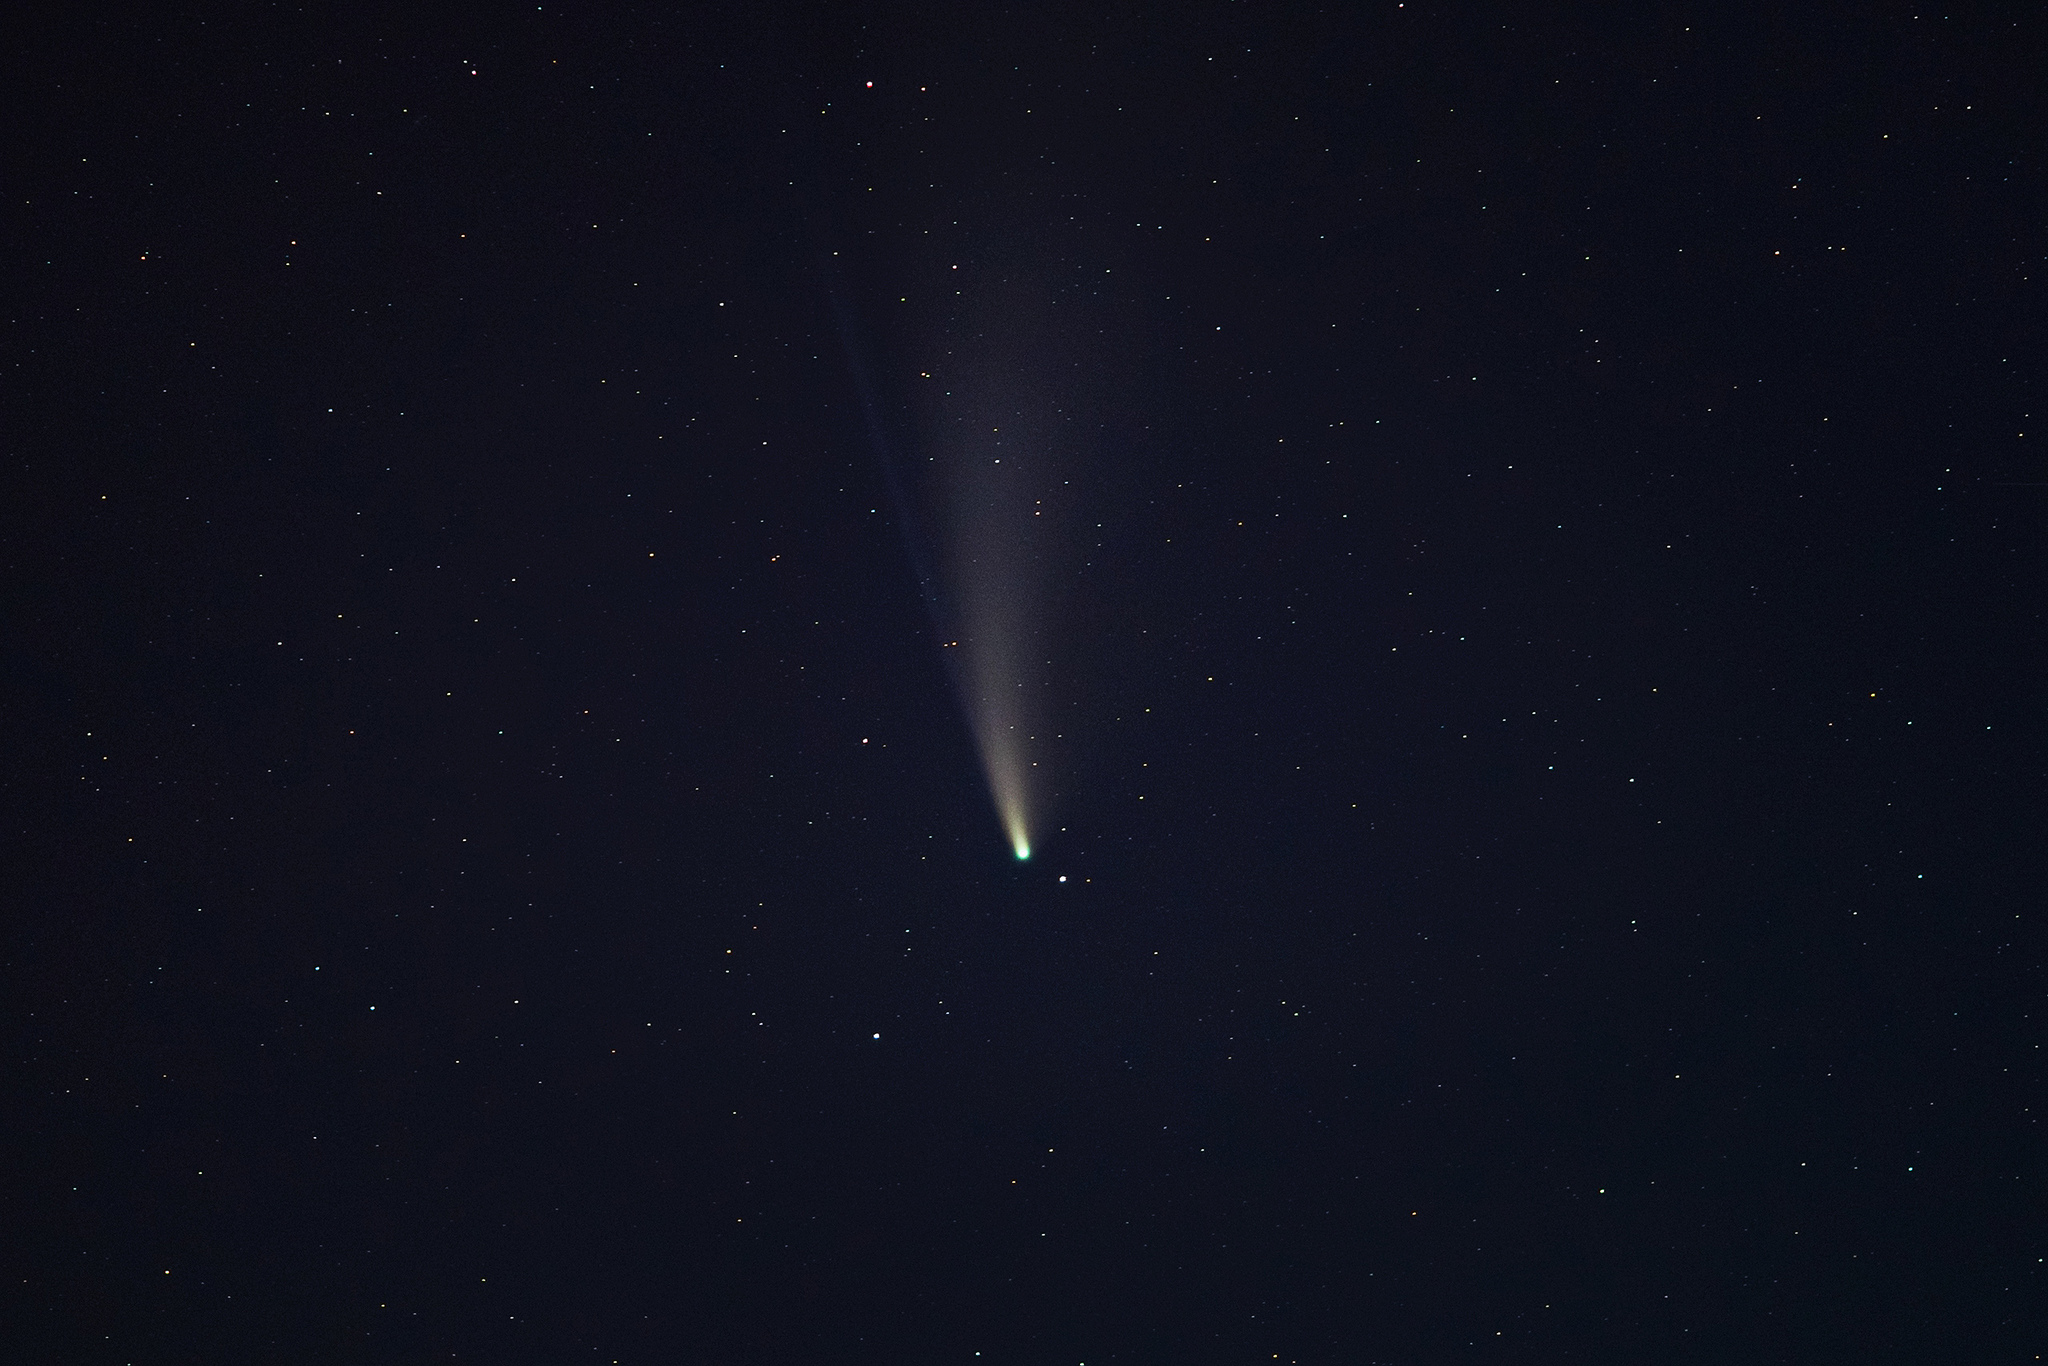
1521, 587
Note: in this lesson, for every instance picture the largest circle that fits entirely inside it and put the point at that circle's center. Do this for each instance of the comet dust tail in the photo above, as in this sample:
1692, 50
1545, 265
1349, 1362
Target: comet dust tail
996, 457
993, 581
996, 718
996, 409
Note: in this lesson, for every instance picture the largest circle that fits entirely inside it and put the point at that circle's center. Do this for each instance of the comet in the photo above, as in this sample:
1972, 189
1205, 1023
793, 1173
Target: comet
981, 469
993, 693
992, 444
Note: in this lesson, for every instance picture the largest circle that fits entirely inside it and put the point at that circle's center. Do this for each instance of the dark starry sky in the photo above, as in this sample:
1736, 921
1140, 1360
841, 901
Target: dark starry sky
1543, 606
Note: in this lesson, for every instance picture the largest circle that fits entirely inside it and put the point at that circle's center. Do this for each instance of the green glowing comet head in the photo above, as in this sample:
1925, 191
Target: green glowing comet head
1006, 768
1019, 834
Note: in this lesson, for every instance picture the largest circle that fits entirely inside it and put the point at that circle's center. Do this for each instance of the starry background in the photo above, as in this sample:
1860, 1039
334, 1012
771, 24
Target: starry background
1548, 625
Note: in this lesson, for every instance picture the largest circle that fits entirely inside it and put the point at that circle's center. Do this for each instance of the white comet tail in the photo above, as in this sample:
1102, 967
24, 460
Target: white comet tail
1003, 436
1004, 764
997, 493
